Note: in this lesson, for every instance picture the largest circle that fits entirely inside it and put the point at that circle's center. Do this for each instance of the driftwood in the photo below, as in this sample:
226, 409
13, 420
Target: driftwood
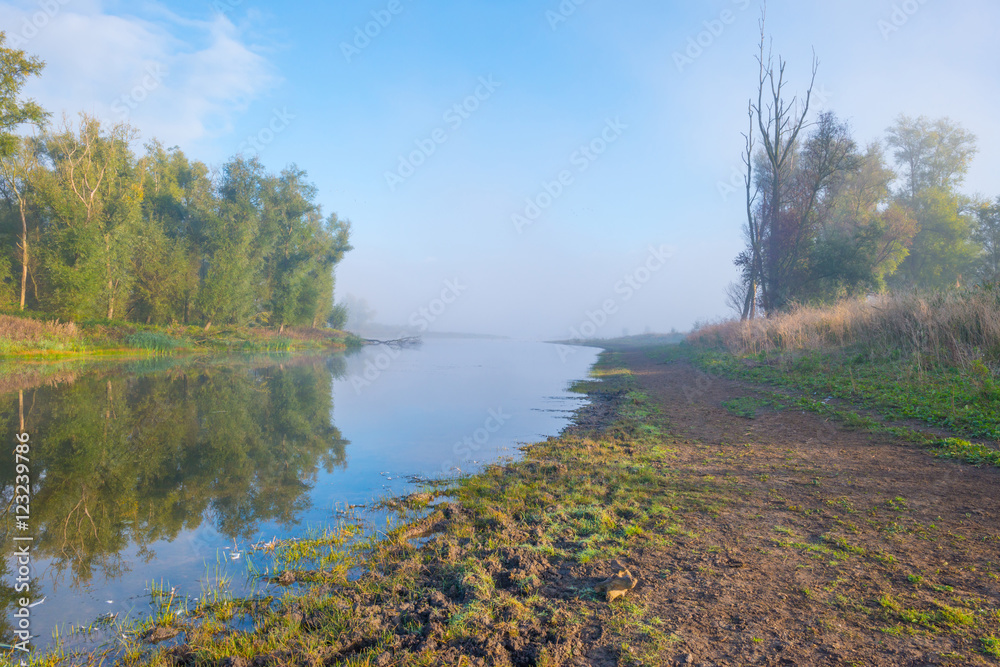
409, 341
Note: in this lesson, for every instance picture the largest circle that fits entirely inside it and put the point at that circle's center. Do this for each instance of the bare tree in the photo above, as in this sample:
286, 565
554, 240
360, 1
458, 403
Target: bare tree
780, 123
751, 260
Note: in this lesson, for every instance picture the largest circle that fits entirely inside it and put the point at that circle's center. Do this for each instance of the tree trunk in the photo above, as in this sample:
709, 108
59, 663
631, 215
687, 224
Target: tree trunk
111, 284
24, 254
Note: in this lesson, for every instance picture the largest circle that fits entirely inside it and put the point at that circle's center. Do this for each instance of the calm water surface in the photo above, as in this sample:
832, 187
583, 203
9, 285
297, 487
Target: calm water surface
162, 470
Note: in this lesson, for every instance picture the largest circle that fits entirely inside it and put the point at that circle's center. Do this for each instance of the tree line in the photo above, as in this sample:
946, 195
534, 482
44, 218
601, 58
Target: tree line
827, 218
90, 229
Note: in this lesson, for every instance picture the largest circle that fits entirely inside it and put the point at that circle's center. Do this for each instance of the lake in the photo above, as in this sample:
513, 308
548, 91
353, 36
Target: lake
165, 470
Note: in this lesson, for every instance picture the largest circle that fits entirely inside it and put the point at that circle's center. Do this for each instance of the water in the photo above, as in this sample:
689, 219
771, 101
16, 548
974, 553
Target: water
165, 470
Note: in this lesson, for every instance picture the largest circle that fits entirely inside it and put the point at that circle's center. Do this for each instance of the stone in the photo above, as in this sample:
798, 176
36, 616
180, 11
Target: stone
618, 585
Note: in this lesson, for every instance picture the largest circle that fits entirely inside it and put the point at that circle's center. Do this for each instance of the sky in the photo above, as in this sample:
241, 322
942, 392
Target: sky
537, 169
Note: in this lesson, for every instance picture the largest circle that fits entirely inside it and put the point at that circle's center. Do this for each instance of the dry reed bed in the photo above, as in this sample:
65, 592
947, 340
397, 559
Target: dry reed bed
953, 327
23, 330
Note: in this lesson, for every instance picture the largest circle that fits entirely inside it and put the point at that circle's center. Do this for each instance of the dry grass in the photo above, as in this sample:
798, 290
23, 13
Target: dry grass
950, 327
23, 330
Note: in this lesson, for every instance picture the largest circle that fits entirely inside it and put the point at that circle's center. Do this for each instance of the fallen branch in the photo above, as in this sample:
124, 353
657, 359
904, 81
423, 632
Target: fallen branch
409, 341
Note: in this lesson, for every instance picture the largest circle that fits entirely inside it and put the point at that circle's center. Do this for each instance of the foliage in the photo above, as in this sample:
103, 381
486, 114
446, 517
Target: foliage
932, 154
820, 223
823, 221
987, 235
154, 238
152, 340
15, 68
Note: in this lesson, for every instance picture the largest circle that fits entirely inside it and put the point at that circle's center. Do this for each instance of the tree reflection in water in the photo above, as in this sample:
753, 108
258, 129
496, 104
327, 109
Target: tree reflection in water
129, 456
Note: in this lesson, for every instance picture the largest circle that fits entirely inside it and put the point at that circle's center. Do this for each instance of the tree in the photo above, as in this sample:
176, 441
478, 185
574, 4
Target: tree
16, 161
933, 154
820, 223
16, 173
743, 295
93, 197
934, 157
779, 122
232, 266
943, 253
987, 235
15, 68
178, 199
863, 237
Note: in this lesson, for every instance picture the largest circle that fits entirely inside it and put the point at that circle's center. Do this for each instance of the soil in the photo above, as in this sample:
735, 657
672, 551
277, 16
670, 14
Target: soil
734, 597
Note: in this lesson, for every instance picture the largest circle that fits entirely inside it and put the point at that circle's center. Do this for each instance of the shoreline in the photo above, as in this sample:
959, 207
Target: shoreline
749, 532
27, 339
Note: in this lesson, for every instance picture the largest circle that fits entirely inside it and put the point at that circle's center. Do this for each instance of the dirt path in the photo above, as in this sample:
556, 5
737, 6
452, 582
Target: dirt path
826, 546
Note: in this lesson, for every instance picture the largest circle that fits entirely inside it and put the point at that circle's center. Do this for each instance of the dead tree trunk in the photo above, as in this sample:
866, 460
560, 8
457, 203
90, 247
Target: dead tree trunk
780, 123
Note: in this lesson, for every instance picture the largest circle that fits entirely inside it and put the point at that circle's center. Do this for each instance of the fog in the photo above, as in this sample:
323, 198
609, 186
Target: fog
525, 169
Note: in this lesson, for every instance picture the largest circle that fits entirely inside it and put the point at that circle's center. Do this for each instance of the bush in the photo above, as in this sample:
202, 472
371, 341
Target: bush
24, 330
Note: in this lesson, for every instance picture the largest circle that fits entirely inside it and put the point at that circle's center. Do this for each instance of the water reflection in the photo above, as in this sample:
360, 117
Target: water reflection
159, 471
125, 457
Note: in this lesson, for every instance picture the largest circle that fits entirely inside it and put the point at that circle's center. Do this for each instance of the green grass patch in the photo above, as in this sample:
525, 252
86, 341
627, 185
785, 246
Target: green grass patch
844, 387
745, 406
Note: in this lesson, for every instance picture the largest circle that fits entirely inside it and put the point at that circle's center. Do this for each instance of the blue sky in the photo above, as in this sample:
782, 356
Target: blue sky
592, 94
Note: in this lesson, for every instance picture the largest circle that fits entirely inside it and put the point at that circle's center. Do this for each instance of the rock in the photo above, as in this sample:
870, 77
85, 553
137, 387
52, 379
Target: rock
618, 585
157, 635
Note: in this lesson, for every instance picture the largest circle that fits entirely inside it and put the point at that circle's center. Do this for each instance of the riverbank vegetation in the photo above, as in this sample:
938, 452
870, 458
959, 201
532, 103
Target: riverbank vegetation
92, 229
24, 338
888, 362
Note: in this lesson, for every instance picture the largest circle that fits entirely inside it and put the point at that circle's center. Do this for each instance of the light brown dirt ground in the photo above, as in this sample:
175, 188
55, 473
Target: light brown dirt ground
762, 580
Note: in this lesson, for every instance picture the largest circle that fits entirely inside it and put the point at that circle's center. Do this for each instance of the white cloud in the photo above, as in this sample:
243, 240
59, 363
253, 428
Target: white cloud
180, 80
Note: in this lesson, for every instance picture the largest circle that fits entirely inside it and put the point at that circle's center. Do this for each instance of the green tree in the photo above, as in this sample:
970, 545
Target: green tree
934, 157
943, 253
987, 235
93, 197
932, 154
177, 199
332, 242
303, 251
232, 264
16, 158
15, 68
863, 237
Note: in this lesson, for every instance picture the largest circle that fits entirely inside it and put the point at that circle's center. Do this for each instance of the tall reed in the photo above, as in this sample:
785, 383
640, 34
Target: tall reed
953, 327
